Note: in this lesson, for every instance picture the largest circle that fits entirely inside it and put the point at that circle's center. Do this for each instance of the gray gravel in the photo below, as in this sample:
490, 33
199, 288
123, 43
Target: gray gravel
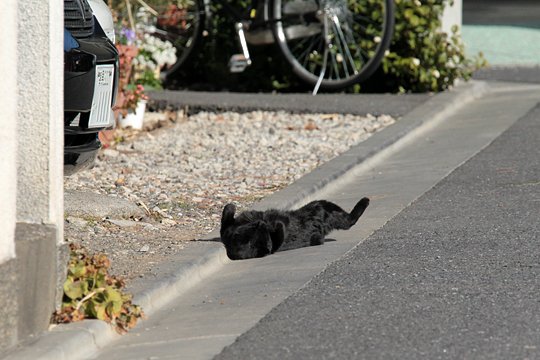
182, 175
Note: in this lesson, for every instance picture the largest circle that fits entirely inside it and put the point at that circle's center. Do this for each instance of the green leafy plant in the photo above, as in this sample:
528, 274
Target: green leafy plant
132, 94
91, 293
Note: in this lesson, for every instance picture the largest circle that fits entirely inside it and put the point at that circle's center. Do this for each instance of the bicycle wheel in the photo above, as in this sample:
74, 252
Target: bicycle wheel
180, 22
333, 44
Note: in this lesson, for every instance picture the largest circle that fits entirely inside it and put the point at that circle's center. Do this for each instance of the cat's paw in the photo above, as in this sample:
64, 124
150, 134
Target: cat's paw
278, 236
227, 218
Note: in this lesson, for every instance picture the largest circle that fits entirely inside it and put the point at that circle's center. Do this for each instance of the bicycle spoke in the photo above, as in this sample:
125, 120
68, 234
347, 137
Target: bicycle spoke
341, 38
352, 41
364, 54
304, 55
309, 60
320, 47
367, 25
325, 59
335, 68
337, 44
300, 44
340, 60
358, 18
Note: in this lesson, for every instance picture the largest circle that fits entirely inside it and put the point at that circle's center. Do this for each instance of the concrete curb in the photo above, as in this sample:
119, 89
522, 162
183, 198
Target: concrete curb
91, 205
81, 340
187, 275
434, 110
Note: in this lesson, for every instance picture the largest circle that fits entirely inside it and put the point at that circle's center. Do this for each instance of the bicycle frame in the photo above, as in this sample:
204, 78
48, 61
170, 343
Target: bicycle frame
258, 19
320, 40
252, 28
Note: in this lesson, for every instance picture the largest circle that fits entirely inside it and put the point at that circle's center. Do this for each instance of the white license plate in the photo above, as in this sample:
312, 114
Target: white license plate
101, 112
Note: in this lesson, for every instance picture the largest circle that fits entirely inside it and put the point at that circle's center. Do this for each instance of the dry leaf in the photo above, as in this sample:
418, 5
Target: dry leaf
310, 125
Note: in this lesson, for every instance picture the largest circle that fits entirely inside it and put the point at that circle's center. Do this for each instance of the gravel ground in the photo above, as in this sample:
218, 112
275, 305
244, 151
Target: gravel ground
183, 170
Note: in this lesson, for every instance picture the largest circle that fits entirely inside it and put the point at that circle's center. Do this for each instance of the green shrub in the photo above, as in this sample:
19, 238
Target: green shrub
421, 58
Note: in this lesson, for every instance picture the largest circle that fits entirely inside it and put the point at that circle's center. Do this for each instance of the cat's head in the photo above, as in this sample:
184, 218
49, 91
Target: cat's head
244, 239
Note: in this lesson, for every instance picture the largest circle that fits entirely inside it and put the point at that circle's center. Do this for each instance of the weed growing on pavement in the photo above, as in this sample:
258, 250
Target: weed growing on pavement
90, 292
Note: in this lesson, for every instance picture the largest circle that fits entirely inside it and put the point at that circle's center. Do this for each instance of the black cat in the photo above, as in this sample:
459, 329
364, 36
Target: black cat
255, 234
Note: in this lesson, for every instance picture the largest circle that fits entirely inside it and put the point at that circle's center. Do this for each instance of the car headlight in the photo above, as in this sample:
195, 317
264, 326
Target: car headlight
104, 17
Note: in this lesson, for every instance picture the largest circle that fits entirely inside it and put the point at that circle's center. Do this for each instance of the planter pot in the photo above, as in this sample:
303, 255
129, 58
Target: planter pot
136, 119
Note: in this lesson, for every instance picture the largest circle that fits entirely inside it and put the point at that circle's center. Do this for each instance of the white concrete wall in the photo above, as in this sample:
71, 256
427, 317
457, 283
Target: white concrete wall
56, 116
8, 128
452, 16
40, 113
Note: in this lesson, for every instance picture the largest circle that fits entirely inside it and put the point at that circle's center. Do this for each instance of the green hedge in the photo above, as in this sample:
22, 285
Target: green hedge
421, 58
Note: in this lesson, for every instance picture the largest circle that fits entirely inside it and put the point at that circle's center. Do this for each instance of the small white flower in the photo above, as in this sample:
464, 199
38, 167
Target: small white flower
436, 73
417, 3
377, 39
415, 61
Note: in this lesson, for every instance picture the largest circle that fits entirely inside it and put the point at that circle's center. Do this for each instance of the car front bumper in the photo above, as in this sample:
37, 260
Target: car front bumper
80, 94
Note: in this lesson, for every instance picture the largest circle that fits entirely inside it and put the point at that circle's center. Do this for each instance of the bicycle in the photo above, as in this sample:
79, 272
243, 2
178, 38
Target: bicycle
330, 44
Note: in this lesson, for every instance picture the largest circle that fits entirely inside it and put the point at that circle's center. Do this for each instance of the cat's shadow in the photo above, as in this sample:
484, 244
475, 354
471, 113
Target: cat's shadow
216, 239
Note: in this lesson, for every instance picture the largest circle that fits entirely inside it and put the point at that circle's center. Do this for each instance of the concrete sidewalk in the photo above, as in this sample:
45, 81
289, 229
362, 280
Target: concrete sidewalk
204, 262
505, 31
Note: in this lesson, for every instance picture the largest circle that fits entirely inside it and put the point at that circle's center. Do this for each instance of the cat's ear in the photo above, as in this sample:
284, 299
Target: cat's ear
227, 218
277, 236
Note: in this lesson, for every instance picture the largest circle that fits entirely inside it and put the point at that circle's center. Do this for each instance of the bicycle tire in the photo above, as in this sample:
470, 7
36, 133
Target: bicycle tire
354, 45
185, 43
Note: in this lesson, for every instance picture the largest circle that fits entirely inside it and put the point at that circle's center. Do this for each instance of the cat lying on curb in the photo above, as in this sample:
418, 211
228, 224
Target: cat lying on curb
255, 234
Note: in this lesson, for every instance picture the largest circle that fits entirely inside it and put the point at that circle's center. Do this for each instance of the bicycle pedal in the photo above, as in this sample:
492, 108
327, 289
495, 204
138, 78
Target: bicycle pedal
238, 63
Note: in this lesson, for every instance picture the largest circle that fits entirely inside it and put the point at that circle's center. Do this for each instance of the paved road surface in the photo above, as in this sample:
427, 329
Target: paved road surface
375, 104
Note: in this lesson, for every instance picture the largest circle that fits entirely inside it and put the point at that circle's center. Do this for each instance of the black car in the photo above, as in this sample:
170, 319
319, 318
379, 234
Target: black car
90, 84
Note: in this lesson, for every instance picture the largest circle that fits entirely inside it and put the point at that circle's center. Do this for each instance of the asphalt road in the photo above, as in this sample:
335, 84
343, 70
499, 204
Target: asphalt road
375, 104
501, 12
455, 275
523, 74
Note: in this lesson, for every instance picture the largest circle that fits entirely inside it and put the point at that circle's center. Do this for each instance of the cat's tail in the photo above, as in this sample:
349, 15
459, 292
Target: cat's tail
358, 210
